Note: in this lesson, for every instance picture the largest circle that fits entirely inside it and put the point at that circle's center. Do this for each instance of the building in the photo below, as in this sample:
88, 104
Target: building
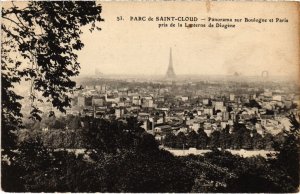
184, 98
162, 128
231, 97
119, 112
225, 116
219, 105
96, 101
205, 101
277, 97
84, 101
136, 100
147, 102
170, 72
208, 111
81, 101
195, 126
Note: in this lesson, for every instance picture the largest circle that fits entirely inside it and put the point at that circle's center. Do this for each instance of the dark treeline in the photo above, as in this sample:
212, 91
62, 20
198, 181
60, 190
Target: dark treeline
239, 138
75, 132
69, 132
122, 157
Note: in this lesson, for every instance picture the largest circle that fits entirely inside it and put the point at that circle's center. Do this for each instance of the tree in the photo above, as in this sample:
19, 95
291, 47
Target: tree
288, 156
215, 139
32, 157
144, 172
181, 140
170, 140
253, 103
38, 40
192, 139
202, 139
225, 138
147, 144
268, 141
38, 43
220, 171
247, 140
257, 140
241, 137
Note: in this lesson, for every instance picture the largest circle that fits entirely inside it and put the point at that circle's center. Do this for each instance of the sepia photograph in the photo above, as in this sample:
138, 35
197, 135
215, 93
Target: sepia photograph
150, 96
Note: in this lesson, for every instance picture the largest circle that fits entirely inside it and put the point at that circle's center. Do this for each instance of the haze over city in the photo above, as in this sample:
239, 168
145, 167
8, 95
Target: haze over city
126, 47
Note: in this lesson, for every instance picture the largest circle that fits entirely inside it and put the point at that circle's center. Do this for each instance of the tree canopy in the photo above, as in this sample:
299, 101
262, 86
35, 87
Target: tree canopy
38, 43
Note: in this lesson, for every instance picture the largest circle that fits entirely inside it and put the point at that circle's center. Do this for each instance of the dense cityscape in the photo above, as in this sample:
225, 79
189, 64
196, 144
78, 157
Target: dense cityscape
187, 112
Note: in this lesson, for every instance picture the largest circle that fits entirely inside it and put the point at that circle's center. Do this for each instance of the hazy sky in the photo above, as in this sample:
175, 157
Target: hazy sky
126, 47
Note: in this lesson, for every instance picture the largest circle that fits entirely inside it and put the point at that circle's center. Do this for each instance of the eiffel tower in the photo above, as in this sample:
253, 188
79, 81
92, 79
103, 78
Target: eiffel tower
170, 72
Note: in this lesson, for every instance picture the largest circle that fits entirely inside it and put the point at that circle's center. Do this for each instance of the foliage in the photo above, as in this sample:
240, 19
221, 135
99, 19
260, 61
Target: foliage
38, 44
143, 172
239, 138
253, 103
288, 156
111, 166
223, 172
126, 159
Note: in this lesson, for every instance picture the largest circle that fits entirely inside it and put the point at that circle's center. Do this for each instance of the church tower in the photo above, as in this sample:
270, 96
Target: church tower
170, 72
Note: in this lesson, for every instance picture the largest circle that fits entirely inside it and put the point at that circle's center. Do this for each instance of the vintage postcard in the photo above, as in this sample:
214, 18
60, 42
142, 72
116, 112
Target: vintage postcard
150, 97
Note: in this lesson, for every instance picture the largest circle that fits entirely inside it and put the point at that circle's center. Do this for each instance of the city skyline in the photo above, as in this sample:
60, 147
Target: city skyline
170, 73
